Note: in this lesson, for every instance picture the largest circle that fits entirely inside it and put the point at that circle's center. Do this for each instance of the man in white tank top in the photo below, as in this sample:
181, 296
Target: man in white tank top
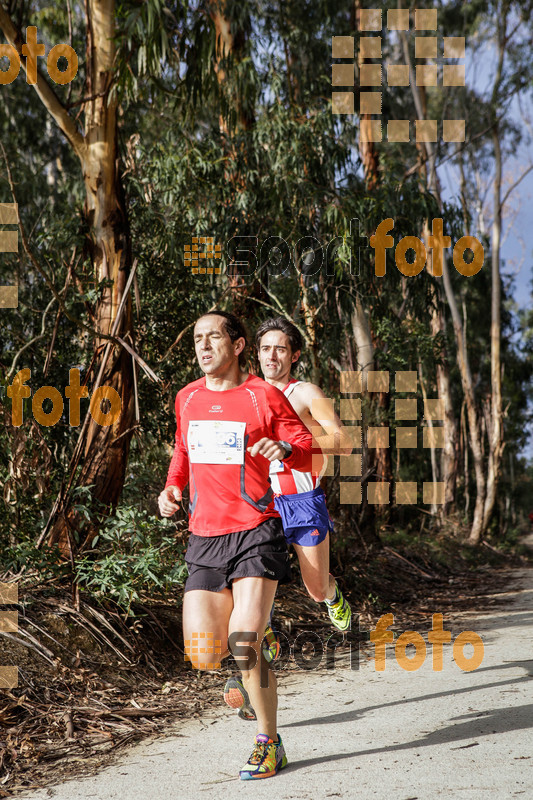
298, 497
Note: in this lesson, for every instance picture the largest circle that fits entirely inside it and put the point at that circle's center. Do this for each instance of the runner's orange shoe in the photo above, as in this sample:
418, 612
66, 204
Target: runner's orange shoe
236, 696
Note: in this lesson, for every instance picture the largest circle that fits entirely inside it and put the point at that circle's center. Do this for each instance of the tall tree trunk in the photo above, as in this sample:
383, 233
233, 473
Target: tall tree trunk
433, 455
235, 118
367, 149
105, 448
111, 252
466, 470
362, 334
381, 456
448, 460
231, 45
462, 352
495, 427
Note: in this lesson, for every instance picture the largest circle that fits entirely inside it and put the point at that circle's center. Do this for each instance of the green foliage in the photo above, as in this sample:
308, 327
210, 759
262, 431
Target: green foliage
43, 563
134, 556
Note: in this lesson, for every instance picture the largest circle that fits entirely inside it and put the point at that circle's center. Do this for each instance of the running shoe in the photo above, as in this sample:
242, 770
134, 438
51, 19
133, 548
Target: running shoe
340, 612
270, 645
236, 696
267, 758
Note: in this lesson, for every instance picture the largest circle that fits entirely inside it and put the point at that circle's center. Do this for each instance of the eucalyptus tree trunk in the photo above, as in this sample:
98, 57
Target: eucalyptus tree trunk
105, 449
361, 323
236, 116
467, 383
495, 426
449, 456
367, 149
106, 454
449, 459
230, 45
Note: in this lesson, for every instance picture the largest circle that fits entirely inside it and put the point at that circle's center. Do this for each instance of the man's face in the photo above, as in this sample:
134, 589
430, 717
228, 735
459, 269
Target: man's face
215, 351
275, 355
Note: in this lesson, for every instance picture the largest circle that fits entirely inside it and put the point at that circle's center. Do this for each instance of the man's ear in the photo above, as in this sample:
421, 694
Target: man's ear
239, 345
296, 356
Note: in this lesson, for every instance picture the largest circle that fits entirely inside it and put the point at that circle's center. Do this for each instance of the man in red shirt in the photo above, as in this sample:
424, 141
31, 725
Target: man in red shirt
230, 426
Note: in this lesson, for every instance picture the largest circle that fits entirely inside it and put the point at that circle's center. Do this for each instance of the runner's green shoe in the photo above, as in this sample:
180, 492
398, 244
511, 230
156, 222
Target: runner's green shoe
271, 645
339, 611
267, 758
236, 696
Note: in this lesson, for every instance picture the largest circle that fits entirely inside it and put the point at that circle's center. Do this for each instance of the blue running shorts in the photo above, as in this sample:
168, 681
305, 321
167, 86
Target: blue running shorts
304, 517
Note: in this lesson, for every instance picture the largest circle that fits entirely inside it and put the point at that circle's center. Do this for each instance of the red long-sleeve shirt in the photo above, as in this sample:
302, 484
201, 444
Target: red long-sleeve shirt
229, 490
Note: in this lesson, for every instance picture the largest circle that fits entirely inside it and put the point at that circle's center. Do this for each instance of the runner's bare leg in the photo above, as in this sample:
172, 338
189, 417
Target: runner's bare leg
206, 612
314, 566
253, 598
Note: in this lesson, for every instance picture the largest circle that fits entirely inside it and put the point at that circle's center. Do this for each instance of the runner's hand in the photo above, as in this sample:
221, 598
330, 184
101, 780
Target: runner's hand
268, 448
169, 500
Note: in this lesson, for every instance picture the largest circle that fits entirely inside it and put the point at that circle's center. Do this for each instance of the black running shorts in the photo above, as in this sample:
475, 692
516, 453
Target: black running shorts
215, 561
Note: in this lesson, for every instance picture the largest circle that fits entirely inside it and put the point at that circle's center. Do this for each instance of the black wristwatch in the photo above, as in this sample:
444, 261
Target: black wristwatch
288, 449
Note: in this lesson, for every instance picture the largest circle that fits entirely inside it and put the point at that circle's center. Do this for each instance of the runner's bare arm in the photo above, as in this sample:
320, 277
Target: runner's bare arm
178, 472
336, 440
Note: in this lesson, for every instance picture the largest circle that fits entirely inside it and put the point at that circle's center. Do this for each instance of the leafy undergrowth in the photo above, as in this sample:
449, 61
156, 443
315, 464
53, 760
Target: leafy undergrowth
93, 680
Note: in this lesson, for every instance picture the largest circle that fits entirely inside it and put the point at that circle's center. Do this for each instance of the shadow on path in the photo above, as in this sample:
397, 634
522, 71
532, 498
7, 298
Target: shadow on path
351, 716
501, 720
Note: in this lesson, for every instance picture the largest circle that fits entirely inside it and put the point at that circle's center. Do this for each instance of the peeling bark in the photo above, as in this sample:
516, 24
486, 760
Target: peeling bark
105, 448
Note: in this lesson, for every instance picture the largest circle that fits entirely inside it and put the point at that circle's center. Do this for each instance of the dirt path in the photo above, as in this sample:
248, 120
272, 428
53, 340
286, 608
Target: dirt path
362, 733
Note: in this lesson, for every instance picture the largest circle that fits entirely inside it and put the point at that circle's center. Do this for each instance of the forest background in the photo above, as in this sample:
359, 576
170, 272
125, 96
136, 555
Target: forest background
214, 119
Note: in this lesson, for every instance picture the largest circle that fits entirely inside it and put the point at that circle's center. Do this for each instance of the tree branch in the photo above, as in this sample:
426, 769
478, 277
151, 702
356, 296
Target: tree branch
278, 310
47, 95
39, 336
514, 185
57, 295
111, 339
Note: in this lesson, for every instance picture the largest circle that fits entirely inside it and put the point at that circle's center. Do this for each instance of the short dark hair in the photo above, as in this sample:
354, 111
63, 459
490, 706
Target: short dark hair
234, 328
283, 325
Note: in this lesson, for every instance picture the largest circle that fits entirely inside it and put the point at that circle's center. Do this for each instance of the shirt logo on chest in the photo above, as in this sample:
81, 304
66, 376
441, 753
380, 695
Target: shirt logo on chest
215, 410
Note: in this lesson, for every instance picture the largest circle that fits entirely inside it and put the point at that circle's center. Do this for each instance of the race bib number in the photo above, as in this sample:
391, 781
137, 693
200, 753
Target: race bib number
276, 466
216, 442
